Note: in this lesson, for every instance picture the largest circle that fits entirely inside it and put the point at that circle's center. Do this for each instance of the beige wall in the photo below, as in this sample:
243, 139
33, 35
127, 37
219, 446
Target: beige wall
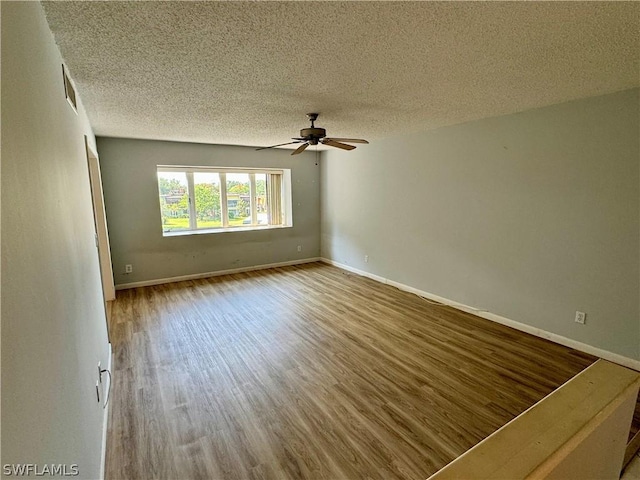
530, 216
53, 320
133, 211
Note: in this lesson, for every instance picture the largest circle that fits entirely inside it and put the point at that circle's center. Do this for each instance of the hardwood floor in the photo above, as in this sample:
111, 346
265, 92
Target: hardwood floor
635, 423
310, 372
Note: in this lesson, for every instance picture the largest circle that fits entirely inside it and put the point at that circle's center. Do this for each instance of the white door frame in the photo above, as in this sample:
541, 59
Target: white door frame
100, 221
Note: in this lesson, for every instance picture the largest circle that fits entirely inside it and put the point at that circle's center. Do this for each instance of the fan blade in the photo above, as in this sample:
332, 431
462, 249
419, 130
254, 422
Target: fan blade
274, 146
348, 140
300, 149
333, 143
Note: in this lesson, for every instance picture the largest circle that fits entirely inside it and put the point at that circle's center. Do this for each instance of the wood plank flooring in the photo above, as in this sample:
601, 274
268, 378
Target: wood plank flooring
310, 372
635, 423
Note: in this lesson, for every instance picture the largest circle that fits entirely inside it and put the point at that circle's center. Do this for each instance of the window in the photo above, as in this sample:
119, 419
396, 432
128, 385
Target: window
213, 199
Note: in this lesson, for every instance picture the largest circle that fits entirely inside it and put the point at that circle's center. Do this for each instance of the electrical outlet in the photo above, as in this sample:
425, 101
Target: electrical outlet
128, 268
99, 372
366, 259
581, 317
299, 248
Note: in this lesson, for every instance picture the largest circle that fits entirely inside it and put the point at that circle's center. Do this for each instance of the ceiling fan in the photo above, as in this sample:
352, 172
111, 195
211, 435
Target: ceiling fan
315, 135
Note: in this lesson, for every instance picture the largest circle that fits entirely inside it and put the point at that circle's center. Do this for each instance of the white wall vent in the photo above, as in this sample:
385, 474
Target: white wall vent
69, 91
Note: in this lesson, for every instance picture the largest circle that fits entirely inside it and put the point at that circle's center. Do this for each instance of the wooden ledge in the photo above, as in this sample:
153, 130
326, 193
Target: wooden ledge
591, 413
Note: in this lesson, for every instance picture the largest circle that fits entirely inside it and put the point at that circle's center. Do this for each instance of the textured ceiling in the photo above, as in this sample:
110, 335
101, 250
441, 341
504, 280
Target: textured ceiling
247, 72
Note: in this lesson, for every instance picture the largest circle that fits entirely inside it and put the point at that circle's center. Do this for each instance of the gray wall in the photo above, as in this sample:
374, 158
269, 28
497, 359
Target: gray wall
133, 211
53, 319
531, 216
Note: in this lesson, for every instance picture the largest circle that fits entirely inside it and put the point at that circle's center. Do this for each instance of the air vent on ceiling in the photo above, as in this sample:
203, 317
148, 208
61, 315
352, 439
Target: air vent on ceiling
69, 91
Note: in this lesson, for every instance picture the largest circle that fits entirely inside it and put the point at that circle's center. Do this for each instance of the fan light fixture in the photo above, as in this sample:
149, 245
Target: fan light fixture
315, 135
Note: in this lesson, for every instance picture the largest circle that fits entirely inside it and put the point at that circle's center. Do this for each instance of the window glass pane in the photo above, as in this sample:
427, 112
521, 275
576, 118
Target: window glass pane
207, 196
191, 200
238, 199
274, 196
174, 200
261, 199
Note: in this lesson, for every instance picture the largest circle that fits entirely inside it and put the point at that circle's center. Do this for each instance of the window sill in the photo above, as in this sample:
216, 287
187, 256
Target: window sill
206, 231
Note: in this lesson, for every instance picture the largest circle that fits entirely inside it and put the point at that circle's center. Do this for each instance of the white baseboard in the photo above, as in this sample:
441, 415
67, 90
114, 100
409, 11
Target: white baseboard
195, 276
105, 421
523, 327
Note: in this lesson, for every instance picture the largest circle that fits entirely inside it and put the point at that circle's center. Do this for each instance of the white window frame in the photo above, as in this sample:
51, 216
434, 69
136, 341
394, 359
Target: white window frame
287, 217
